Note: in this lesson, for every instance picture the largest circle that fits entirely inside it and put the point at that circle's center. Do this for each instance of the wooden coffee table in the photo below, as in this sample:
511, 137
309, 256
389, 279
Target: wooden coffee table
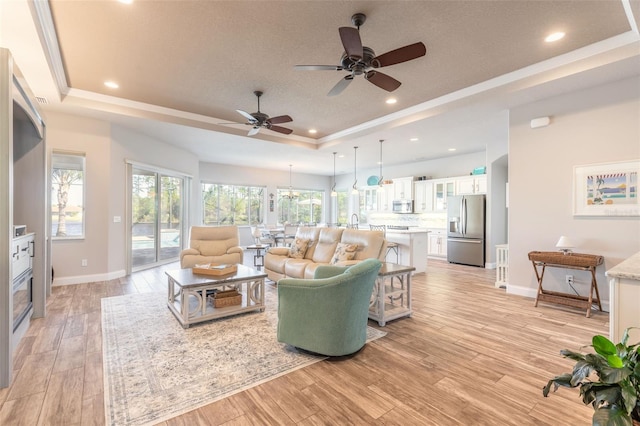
187, 294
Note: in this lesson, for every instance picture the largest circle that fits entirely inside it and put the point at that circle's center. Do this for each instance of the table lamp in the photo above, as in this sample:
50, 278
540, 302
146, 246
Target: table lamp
257, 233
565, 245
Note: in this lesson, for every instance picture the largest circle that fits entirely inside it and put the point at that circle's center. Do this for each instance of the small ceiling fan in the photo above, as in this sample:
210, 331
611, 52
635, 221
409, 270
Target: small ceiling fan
358, 59
258, 120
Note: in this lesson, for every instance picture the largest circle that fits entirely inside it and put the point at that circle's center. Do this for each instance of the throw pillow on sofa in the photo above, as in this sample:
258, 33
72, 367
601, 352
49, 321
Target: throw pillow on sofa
344, 251
298, 248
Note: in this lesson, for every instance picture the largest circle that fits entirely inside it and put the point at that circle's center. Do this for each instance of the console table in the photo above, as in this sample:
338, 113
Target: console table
579, 261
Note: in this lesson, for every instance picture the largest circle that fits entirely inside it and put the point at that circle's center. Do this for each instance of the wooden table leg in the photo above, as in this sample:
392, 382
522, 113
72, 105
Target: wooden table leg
539, 277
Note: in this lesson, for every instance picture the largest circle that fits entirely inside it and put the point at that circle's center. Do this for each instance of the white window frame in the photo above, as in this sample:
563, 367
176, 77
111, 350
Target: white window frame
69, 161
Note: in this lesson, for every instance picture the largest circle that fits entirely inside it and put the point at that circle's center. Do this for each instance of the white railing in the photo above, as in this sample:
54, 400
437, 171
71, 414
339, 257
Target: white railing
502, 265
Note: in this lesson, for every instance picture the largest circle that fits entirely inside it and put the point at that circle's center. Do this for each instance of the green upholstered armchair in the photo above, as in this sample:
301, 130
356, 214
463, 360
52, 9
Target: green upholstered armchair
327, 314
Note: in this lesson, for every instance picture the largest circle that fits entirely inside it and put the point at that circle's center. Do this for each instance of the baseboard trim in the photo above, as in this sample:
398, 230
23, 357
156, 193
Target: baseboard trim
532, 292
490, 265
81, 279
522, 291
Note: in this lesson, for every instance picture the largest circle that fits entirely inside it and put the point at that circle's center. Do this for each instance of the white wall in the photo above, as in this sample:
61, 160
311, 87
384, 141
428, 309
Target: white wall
106, 147
596, 125
92, 138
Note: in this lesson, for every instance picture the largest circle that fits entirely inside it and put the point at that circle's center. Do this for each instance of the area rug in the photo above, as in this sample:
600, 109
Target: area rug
155, 370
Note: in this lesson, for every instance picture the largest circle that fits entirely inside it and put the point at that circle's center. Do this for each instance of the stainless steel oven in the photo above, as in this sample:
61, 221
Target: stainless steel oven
22, 272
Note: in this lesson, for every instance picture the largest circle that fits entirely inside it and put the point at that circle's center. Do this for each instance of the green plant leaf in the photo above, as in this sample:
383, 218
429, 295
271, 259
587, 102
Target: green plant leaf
629, 395
581, 371
611, 416
607, 395
572, 355
615, 361
562, 380
603, 346
613, 375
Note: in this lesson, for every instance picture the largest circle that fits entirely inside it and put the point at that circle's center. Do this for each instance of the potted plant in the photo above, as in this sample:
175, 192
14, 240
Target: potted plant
614, 395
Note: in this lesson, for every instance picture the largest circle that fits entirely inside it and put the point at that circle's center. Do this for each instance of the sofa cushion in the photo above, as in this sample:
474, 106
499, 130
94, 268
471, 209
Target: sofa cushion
328, 239
308, 233
344, 251
370, 243
210, 248
310, 270
296, 267
276, 262
298, 248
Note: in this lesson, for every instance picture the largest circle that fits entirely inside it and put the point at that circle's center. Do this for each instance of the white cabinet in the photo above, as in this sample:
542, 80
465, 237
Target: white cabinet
423, 196
370, 194
403, 188
471, 185
442, 188
385, 198
437, 243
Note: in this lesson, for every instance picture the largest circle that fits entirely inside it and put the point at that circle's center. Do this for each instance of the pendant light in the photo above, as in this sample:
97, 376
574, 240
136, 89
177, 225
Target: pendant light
354, 191
333, 188
380, 181
291, 195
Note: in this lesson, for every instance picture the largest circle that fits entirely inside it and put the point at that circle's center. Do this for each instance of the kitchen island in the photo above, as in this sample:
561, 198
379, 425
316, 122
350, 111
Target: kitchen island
412, 247
624, 297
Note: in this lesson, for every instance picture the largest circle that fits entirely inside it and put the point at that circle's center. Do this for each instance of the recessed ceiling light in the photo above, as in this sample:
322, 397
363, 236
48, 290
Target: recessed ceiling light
452, 149
126, 1
413, 139
313, 131
111, 84
391, 101
554, 37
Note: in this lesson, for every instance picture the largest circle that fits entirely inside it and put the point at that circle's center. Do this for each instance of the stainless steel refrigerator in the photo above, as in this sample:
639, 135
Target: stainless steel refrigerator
466, 229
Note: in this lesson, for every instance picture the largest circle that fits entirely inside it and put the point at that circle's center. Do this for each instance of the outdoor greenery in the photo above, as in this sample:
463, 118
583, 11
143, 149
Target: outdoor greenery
63, 180
614, 395
232, 204
145, 197
306, 208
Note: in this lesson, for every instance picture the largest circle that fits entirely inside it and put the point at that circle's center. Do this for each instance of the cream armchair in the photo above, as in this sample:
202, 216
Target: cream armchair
212, 244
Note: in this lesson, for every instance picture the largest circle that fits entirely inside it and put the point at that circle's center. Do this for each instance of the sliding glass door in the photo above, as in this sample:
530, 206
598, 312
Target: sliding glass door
157, 212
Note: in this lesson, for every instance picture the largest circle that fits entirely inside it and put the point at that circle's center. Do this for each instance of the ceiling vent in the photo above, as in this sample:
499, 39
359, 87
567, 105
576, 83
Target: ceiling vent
41, 100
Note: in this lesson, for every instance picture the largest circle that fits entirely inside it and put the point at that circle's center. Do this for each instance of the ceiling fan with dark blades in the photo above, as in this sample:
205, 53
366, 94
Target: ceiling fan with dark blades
258, 120
362, 60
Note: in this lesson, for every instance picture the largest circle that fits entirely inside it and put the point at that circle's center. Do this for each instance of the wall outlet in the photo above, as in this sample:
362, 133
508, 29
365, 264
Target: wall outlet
569, 279
83, 262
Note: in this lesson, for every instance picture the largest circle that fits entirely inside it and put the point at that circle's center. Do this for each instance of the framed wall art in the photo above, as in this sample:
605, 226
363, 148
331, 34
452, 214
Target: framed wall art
607, 189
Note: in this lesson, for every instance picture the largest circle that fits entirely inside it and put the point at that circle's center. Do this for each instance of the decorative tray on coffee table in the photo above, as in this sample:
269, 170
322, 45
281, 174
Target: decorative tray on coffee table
215, 269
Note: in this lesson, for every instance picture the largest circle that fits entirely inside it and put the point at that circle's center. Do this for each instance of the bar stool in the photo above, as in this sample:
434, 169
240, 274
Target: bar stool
390, 246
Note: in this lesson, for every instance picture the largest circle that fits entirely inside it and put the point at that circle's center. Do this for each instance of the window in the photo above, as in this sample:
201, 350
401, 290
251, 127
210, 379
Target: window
305, 207
158, 201
67, 195
232, 204
343, 207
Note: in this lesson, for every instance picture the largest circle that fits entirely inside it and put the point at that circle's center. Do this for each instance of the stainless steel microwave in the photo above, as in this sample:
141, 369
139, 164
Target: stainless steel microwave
402, 206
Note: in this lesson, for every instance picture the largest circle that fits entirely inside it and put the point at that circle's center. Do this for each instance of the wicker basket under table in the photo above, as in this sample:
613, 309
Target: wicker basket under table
578, 261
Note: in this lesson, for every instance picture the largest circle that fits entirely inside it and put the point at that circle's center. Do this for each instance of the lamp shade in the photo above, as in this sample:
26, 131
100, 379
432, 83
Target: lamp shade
564, 243
257, 233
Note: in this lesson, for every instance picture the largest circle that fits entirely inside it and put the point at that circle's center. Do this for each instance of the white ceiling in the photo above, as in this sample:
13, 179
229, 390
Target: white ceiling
186, 66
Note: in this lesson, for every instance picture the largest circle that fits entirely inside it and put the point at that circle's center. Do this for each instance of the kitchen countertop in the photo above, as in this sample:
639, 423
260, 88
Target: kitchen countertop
628, 268
408, 231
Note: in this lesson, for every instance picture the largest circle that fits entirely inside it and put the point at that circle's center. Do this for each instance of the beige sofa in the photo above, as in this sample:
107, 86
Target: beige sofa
322, 247
212, 244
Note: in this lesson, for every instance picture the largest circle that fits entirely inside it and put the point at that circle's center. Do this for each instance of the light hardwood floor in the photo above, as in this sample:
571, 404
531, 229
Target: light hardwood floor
469, 355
